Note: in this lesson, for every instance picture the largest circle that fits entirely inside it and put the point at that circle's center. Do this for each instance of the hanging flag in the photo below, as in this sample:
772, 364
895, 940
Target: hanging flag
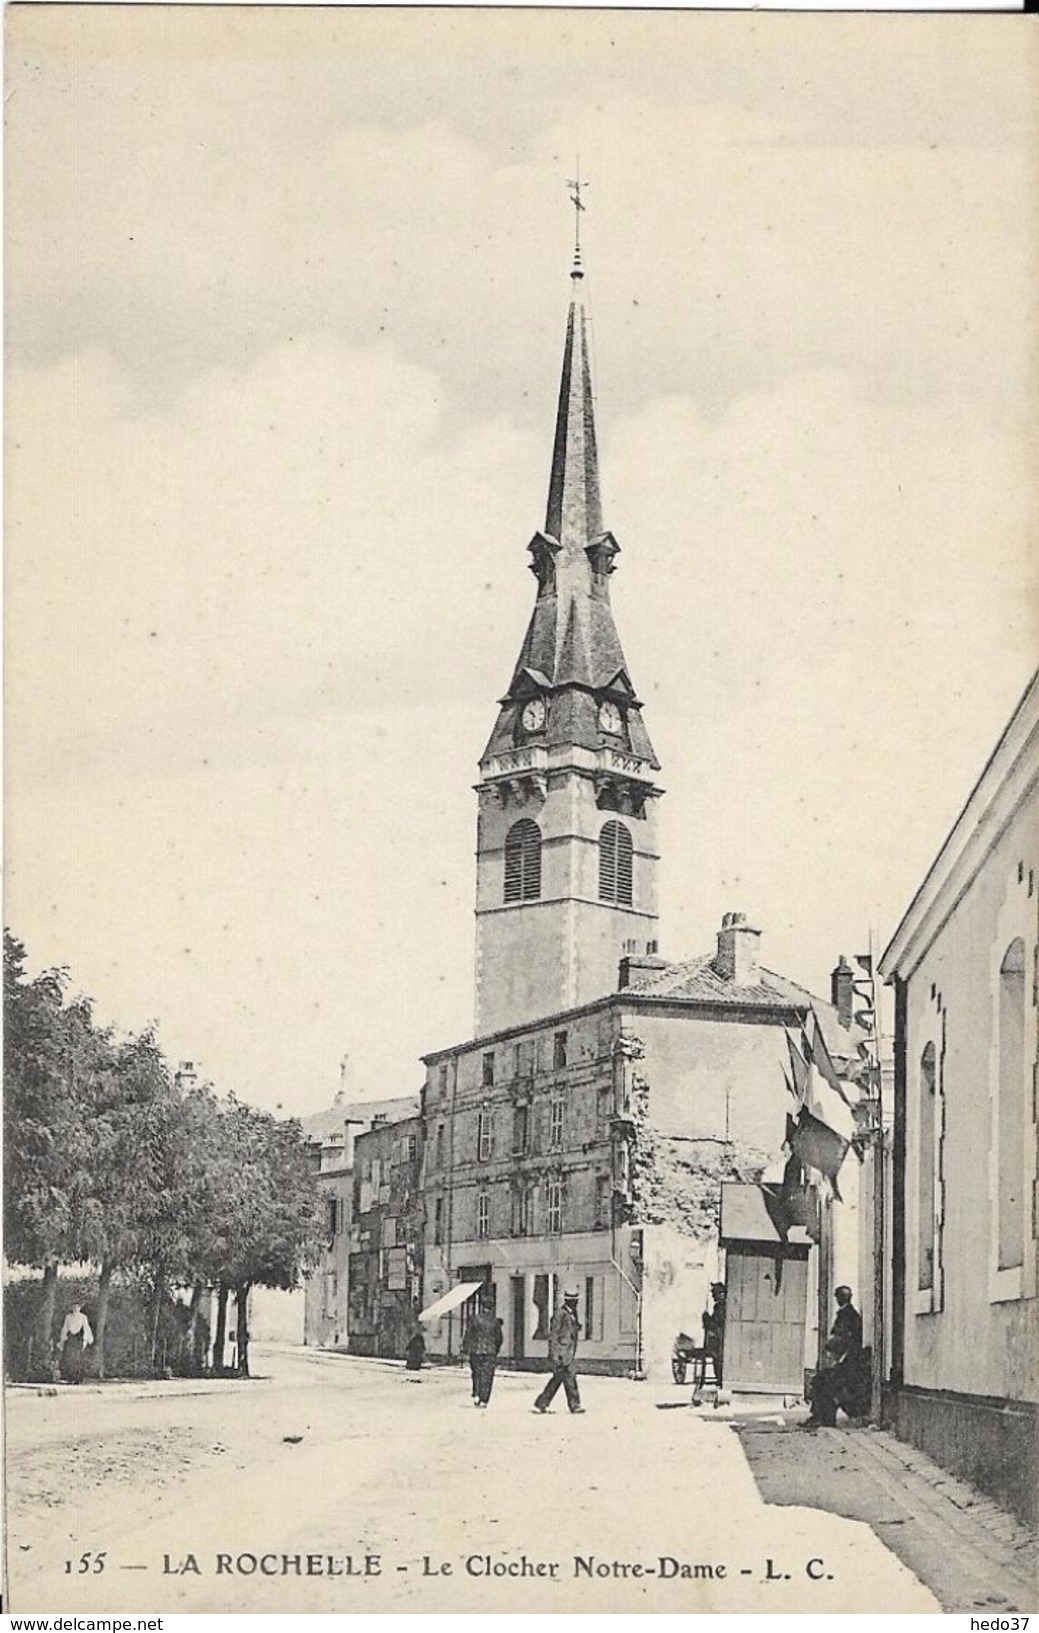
789, 1200
798, 1070
819, 1055
828, 1106
819, 1146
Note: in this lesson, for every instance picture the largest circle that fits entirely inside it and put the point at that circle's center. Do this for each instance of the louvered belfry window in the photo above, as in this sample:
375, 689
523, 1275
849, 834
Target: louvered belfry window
523, 861
615, 864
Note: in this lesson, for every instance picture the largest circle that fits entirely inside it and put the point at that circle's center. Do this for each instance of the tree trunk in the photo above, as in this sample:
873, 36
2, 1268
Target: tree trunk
221, 1327
156, 1310
43, 1348
242, 1312
104, 1287
194, 1361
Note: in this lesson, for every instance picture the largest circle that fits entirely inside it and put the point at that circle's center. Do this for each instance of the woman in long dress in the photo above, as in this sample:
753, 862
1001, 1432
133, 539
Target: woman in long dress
76, 1338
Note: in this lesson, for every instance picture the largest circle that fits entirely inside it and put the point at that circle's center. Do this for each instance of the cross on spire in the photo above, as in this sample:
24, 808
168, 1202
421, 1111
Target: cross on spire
576, 187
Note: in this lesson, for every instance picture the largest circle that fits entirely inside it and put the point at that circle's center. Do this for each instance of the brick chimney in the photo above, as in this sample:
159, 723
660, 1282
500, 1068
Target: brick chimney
737, 957
842, 990
635, 965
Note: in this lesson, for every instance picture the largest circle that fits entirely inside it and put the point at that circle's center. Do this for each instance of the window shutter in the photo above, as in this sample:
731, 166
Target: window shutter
523, 862
608, 863
624, 852
615, 864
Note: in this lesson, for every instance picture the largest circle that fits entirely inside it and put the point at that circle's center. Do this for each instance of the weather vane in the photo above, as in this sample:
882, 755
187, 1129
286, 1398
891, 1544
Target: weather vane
576, 187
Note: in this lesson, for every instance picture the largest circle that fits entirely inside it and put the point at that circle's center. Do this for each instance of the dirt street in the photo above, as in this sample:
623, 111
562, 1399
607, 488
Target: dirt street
336, 1484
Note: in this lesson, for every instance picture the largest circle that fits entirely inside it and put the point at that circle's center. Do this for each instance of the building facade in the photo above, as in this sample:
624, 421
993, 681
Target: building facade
385, 1274
332, 1135
963, 964
591, 1150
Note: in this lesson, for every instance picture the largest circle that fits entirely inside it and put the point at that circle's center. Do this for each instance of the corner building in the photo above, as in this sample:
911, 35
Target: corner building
964, 964
584, 1135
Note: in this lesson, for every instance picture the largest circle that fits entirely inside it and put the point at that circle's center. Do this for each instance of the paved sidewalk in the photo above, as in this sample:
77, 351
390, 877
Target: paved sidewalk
969, 1552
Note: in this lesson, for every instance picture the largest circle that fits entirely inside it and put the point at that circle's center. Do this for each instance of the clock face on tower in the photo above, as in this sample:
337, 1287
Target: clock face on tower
610, 719
533, 717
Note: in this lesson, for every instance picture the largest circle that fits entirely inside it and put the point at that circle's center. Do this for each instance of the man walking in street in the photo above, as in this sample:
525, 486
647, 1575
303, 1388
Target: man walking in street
562, 1353
482, 1342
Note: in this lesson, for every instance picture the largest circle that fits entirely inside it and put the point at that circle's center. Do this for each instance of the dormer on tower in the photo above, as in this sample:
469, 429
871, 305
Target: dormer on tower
566, 838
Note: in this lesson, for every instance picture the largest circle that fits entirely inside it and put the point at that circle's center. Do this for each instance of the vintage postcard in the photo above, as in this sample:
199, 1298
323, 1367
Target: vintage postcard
522, 834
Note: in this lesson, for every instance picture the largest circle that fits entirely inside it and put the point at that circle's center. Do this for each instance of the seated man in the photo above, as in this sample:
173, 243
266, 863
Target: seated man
825, 1389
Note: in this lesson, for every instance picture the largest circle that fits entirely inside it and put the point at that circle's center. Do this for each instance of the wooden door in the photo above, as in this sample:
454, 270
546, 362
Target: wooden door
765, 1319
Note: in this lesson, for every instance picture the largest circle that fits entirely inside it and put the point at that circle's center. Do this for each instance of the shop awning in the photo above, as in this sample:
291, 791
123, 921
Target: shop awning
450, 1300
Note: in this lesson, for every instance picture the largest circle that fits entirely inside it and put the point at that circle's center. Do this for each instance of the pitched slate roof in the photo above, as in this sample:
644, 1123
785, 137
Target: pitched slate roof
696, 980
321, 1124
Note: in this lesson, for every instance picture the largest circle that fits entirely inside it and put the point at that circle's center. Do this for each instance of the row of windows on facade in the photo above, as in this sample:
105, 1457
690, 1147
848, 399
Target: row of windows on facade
523, 1058
523, 863
523, 1142
520, 1061
403, 1150
526, 1217
1008, 1133
338, 1218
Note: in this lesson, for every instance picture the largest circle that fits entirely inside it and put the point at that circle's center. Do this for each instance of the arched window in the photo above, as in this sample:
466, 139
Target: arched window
925, 1169
1010, 1111
615, 864
523, 861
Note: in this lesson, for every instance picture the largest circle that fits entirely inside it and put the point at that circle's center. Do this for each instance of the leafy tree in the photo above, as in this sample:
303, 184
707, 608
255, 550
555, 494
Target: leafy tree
109, 1159
47, 1050
181, 1235
275, 1213
134, 1107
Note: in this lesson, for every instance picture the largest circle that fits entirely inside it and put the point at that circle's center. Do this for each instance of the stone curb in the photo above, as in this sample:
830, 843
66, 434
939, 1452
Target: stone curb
972, 1507
129, 1389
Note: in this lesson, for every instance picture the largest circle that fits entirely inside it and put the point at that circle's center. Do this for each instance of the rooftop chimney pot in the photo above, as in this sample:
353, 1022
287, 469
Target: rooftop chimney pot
842, 990
633, 966
737, 957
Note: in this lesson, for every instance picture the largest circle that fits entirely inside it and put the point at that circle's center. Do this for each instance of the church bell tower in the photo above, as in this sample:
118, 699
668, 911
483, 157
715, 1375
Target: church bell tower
566, 868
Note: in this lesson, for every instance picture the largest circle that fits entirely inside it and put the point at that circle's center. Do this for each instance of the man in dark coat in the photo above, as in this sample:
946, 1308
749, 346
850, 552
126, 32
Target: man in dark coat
714, 1328
562, 1352
839, 1382
847, 1323
482, 1341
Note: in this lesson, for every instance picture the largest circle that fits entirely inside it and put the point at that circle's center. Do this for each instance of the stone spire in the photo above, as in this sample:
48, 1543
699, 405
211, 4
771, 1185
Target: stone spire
571, 655
566, 847
574, 514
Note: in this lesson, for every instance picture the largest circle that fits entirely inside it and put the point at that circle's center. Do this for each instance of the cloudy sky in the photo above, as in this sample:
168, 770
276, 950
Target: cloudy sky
286, 297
